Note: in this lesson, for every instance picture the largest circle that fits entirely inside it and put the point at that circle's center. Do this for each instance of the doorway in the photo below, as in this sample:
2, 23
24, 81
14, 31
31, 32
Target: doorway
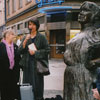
57, 43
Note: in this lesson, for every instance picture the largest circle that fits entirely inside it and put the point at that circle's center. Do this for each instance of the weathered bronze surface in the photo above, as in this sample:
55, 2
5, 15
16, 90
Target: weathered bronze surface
82, 55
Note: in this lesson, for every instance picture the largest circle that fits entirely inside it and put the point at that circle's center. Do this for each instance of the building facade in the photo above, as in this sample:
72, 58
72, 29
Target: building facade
58, 19
2, 16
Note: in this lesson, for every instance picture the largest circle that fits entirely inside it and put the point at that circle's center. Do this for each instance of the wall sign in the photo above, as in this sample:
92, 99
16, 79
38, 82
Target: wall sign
48, 2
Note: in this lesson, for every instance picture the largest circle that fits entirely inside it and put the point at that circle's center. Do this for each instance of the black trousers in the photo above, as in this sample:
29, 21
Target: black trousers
10, 92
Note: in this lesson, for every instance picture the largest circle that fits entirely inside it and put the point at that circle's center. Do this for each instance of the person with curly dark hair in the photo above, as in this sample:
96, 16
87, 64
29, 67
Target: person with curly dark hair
41, 51
80, 72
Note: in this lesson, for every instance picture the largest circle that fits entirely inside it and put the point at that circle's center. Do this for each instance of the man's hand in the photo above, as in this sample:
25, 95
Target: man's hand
96, 94
28, 36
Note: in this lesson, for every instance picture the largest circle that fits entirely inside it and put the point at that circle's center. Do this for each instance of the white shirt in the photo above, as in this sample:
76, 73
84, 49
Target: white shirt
18, 42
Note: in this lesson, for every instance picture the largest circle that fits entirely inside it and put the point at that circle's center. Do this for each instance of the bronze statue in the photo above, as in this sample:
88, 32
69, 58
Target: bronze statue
81, 67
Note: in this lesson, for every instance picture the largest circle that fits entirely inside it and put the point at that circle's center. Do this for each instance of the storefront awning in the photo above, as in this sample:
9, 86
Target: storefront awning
55, 9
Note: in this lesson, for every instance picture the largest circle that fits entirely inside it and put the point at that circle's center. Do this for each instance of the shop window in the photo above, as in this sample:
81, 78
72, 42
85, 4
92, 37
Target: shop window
75, 14
74, 32
57, 17
60, 41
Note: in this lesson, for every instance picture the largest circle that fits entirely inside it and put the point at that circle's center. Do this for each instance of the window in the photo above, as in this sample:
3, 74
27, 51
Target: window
73, 32
20, 3
26, 24
41, 19
28, 1
14, 5
14, 28
75, 14
20, 26
8, 7
57, 17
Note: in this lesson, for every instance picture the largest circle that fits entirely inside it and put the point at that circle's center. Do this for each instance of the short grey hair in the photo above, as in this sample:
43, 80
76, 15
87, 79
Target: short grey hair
8, 31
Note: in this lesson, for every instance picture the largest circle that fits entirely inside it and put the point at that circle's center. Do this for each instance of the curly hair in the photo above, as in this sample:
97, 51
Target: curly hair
94, 8
36, 22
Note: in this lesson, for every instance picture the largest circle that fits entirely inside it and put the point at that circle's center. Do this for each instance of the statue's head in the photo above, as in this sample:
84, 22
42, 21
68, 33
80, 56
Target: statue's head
89, 12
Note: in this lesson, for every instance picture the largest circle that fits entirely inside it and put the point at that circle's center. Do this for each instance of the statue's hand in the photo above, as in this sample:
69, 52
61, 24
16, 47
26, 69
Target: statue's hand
92, 63
95, 62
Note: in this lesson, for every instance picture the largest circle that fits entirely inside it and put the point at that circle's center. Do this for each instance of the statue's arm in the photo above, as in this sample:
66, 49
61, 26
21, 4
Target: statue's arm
93, 56
95, 62
68, 60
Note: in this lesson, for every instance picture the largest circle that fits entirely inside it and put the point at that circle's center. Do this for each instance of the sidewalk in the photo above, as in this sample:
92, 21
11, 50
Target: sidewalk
53, 84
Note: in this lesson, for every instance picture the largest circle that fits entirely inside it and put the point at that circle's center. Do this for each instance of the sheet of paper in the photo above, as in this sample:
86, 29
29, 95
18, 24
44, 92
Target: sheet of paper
32, 47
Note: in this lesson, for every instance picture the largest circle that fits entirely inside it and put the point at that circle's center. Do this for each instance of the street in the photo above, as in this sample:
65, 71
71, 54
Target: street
53, 83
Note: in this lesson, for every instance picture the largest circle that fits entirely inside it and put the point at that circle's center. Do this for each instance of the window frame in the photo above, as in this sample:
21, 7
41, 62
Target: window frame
13, 5
28, 1
8, 7
20, 4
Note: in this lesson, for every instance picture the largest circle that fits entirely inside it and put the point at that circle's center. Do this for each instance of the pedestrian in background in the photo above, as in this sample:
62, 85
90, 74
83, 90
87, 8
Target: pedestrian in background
20, 37
30, 74
9, 67
96, 94
96, 89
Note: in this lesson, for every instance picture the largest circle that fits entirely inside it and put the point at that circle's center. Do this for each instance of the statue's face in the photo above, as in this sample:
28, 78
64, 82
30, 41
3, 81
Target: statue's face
85, 15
